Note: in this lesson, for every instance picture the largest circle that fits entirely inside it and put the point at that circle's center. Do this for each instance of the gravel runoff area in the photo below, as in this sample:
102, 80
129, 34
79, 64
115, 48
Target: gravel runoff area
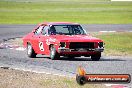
10, 78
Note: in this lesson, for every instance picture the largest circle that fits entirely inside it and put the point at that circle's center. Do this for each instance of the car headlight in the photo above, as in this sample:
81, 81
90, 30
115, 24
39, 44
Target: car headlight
100, 44
62, 44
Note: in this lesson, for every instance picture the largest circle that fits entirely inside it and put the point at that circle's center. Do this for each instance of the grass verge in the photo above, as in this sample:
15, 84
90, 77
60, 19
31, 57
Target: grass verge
117, 44
85, 12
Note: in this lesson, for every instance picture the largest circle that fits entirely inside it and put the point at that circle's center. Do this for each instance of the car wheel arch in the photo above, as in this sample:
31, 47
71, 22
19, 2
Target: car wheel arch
51, 45
30, 44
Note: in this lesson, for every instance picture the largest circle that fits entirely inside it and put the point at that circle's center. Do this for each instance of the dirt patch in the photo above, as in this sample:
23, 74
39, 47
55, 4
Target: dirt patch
10, 78
15, 41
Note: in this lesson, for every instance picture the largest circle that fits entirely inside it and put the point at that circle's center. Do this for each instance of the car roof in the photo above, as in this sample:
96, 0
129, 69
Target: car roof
58, 23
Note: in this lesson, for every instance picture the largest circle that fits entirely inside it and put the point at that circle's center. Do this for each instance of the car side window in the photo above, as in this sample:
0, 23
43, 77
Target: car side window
39, 30
45, 30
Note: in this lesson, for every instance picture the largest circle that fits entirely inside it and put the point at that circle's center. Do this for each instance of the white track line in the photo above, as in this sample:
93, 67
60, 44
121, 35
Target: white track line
107, 31
116, 85
115, 31
48, 73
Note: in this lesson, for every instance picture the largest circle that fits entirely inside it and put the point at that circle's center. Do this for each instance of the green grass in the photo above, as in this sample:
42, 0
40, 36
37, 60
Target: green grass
85, 12
117, 43
57, 0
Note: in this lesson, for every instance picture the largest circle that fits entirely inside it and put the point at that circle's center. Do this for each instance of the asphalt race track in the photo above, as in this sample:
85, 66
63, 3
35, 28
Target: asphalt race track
64, 66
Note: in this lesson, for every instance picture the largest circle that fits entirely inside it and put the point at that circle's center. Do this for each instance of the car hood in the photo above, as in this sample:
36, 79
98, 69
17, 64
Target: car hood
76, 38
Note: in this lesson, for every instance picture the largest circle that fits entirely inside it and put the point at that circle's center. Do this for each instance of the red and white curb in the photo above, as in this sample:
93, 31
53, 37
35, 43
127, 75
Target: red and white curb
11, 46
21, 48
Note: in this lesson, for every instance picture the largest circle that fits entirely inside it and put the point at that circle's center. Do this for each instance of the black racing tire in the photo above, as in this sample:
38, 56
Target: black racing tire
81, 80
54, 54
30, 51
96, 57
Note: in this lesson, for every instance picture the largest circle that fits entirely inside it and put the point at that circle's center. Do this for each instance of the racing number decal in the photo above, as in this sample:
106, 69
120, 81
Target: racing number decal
50, 40
41, 47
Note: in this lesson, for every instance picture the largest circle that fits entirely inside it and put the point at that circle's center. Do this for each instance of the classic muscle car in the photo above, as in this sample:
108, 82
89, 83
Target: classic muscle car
62, 39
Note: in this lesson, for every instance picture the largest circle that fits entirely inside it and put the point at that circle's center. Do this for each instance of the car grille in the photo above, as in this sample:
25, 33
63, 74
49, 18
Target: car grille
75, 45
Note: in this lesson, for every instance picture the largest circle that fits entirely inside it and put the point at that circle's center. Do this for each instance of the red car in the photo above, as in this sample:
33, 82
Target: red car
62, 39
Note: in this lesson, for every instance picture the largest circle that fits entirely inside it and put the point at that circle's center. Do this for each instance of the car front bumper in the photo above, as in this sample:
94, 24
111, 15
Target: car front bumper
60, 50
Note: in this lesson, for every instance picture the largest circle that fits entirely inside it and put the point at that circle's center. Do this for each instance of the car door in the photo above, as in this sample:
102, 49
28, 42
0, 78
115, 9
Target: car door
44, 37
35, 39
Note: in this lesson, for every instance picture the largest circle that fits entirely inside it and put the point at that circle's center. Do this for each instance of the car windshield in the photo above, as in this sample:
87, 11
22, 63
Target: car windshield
66, 30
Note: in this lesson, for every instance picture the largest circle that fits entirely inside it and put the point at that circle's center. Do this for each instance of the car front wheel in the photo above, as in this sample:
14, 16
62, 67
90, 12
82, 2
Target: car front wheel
54, 54
30, 52
96, 57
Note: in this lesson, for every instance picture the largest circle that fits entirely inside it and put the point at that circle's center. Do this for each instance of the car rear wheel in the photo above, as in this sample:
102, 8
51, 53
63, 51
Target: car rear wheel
96, 57
30, 52
53, 53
